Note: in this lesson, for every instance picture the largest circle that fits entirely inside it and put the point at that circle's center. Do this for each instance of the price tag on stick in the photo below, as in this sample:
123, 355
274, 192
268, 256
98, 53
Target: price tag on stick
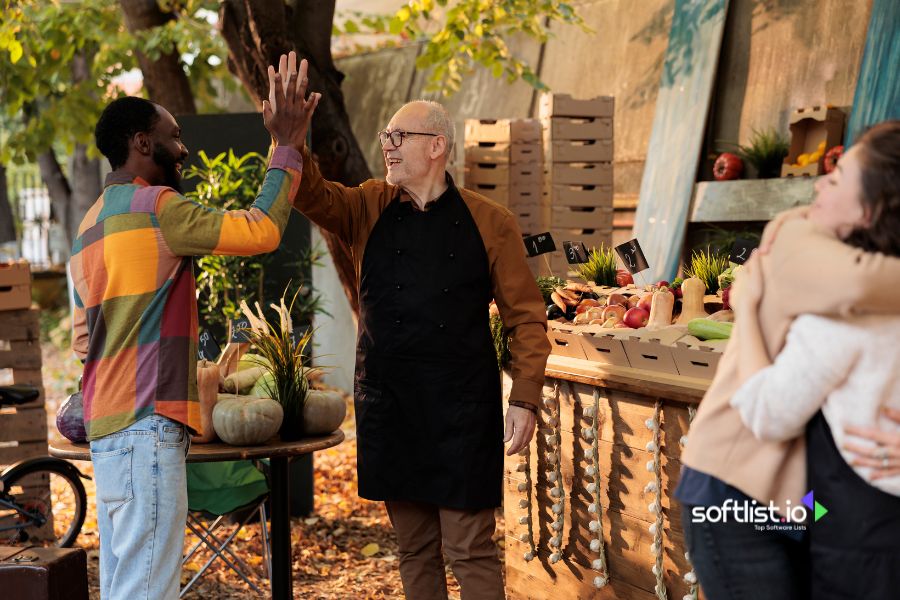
741, 250
208, 348
239, 330
631, 254
576, 253
539, 244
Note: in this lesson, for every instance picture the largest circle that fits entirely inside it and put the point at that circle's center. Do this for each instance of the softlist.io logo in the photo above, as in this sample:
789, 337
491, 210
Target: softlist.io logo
762, 516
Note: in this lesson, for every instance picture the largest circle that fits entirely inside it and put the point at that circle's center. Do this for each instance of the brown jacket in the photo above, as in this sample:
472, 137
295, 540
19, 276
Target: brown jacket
351, 213
806, 271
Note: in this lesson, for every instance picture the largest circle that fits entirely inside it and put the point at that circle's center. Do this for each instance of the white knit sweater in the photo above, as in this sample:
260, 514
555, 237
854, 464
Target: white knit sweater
849, 368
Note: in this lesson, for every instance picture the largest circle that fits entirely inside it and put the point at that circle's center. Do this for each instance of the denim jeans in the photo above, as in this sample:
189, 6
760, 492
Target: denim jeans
141, 509
735, 561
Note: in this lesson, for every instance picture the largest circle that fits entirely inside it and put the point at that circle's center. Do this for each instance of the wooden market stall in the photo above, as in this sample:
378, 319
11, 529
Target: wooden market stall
639, 420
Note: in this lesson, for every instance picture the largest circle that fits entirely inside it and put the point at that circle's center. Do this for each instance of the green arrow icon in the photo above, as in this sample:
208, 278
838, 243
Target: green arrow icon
821, 511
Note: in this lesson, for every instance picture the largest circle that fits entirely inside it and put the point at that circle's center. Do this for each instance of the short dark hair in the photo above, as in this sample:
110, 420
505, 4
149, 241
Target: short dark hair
879, 157
120, 120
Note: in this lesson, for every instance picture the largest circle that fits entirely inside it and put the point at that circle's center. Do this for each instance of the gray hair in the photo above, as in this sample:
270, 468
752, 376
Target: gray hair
438, 120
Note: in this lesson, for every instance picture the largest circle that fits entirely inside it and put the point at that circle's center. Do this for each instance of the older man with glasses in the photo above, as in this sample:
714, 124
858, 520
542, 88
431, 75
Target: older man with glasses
429, 258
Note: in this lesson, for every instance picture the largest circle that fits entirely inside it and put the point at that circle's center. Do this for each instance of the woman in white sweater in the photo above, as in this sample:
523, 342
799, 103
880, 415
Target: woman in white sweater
836, 377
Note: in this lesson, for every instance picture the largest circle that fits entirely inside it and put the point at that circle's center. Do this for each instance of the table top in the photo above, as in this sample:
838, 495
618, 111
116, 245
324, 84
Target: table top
217, 451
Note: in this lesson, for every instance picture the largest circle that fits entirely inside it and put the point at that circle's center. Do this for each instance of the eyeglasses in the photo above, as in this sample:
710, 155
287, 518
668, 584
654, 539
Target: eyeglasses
397, 136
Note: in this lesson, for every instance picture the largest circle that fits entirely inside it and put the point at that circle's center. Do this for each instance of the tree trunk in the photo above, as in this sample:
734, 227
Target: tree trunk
84, 173
257, 33
165, 78
7, 224
59, 190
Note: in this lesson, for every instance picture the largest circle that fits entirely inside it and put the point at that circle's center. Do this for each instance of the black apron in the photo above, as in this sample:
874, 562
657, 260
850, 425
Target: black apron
855, 548
427, 391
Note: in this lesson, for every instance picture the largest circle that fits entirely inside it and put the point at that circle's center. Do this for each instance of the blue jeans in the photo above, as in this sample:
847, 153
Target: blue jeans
141, 509
735, 561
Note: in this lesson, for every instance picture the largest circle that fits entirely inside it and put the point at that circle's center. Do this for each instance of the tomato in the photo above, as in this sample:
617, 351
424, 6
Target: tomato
623, 278
831, 157
728, 166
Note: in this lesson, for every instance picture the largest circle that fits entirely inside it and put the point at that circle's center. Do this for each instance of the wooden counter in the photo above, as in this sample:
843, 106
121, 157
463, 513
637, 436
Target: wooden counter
626, 399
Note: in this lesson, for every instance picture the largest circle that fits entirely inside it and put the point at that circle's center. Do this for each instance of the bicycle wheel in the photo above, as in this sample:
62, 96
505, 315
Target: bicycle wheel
45, 505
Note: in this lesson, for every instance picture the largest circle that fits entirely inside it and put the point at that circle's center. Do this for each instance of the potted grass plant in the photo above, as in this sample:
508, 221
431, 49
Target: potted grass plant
707, 265
600, 268
765, 153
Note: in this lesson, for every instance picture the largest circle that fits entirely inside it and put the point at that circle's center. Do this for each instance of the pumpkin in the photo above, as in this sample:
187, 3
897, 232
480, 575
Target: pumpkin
246, 420
323, 412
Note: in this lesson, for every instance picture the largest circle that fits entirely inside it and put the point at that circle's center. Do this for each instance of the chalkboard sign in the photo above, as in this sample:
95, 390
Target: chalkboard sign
208, 348
631, 254
239, 330
539, 244
741, 250
576, 253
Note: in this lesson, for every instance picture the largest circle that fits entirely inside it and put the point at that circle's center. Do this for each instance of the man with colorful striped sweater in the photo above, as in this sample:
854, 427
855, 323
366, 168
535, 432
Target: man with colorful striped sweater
136, 320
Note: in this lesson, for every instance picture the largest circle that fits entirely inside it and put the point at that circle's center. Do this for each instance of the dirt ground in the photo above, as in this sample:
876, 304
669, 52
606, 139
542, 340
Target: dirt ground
345, 550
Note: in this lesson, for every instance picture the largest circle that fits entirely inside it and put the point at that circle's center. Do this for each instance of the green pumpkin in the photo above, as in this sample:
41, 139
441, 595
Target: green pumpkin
246, 420
323, 412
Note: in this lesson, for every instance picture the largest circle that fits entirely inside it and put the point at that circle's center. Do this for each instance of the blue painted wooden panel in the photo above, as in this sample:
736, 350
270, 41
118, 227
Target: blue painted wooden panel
678, 126
877, 95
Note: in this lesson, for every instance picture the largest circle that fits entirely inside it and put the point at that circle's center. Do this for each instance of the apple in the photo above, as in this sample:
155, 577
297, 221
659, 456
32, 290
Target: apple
645, 302
611, 322
621, 325
662, 284
616, 310
636, 317
616, 299
726, 298
633, 300
586, 304
623, 278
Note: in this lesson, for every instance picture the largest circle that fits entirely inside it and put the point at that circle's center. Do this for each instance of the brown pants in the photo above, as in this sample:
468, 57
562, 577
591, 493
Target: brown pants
423, 529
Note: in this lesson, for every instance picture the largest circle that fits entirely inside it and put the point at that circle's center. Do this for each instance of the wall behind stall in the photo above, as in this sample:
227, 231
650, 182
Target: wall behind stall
776, 55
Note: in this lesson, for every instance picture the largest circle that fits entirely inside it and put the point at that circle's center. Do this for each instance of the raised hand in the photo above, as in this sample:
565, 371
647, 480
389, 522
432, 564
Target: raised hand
287, 113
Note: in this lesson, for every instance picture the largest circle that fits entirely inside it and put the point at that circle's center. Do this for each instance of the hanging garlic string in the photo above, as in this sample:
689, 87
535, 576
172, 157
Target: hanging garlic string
655, 507
554, 476
525, 467
690, 577
596, 508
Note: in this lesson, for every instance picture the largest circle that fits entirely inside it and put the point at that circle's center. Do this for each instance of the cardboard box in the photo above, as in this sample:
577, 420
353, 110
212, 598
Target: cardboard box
578, 195
15, 285
809, 128
503, 130
652, 350
564, 105
604, 348
697, 358
577, 128
581, 217
564, 341
579, 173
568, 151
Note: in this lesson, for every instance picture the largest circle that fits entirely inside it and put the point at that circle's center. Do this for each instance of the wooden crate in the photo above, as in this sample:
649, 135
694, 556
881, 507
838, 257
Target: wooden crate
597, 174
503, 130
503, 152
570, 151
581, 217
564, 105
623, 455
578, 195
15, 285
577, 128
23, 429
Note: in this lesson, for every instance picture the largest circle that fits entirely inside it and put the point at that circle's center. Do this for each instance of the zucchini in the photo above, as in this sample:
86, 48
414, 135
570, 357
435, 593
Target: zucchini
706, 329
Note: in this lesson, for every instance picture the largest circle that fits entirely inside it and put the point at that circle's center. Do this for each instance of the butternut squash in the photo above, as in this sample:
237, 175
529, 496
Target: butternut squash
692, 291
208, 378
661, 307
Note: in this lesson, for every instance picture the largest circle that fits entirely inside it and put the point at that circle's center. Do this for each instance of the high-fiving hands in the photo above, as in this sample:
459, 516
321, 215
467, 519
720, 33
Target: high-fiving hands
287, 113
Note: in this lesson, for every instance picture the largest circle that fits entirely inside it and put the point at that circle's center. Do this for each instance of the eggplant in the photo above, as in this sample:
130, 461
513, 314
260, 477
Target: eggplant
554, 312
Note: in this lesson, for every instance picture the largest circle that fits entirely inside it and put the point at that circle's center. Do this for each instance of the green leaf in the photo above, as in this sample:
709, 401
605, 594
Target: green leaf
351, 26
15, 51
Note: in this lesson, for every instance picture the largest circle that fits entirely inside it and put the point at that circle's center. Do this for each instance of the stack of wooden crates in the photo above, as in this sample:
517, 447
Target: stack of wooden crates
23, 429
504, 162
578, 172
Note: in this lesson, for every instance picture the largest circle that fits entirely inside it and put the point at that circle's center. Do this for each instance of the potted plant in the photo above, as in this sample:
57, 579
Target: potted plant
765, 153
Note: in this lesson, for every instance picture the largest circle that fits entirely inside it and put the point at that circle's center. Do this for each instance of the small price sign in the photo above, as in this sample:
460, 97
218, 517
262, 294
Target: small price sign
539, 244
239, 330
576, 253
208, 348
631, 254
741, 250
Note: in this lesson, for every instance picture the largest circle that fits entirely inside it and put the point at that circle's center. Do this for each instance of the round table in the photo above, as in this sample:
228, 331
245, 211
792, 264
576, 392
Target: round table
279, 453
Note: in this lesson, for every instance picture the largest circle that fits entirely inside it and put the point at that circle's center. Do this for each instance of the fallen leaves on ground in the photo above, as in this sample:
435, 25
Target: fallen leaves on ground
344, 550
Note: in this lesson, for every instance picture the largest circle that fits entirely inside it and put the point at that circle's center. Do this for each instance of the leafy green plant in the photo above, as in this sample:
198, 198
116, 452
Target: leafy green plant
707, 265
230, 182
766, 152
600, 267
285, 360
